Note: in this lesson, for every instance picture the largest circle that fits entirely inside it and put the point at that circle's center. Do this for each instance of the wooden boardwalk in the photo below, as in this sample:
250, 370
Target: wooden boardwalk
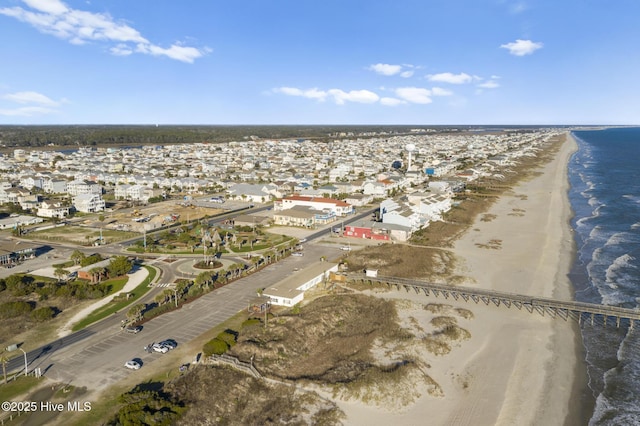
584, 313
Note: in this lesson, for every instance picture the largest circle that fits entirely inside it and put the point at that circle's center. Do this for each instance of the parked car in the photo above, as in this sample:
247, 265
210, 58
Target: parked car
132, 365
345, 248
297, 253
302, 240
157, 347
169, 343
133, 330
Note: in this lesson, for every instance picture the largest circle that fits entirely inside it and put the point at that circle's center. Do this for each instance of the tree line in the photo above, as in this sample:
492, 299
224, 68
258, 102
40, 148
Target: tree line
119, 135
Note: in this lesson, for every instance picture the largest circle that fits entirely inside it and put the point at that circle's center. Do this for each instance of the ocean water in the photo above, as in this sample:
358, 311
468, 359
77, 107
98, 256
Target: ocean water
605, 196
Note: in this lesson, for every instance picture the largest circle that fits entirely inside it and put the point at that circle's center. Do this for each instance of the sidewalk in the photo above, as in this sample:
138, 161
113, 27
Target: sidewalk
134, 280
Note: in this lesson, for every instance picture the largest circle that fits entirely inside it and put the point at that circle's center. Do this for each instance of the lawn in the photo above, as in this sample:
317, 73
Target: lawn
117, 305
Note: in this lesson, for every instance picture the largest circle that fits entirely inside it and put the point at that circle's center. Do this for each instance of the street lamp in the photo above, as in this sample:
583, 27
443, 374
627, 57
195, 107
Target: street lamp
26, 365
12, 348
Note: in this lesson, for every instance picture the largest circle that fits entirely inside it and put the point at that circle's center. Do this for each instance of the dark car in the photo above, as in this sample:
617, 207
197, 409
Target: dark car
169, 343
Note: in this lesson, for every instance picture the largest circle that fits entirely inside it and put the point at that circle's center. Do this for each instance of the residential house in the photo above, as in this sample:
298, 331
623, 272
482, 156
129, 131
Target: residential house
255, 193
54, 186
359, 200
15, 221
30, 182
88, 203
77, 187
53, 210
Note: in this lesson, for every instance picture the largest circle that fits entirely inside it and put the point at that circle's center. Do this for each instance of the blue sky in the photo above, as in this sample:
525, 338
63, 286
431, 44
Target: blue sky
319, 62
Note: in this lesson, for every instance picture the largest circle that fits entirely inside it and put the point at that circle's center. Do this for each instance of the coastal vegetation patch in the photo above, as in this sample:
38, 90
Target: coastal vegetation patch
488, 217
493, 244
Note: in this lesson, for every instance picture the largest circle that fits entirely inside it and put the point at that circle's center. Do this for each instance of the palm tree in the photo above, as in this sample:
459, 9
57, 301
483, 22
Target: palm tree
135, 312
60, 273
97, 271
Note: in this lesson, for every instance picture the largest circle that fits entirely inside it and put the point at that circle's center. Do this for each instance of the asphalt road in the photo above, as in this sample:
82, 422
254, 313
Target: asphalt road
97, 360
95, 357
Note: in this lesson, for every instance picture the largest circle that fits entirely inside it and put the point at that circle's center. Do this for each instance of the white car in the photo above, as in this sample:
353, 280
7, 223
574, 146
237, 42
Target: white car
157, 347
132, 365
345, 248
297, 253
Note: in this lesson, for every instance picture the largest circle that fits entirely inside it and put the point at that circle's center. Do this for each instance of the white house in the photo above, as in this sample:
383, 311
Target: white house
258, 193
77, 187
88, 203
19, 220
402, 214
54, 186
53, 210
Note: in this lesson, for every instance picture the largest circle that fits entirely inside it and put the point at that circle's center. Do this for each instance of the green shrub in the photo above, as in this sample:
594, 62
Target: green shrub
14, 309
250, 322
42, 314
228, 338
215, 346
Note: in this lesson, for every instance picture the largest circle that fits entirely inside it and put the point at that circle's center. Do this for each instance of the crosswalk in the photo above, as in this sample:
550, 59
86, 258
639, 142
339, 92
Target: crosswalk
164, 285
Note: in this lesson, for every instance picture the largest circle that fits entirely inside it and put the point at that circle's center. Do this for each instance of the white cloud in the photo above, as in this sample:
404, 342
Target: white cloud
447, 77
360, 96
339, 96
491, 84
385, 69
176, 51
30, 98
310, 93
437, 91
54, 7
80, 27
403, 95
121, 50
416, 95
404, 70
391, 101
522, 47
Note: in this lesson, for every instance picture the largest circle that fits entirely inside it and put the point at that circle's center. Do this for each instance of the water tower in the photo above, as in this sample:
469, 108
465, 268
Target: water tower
410, 148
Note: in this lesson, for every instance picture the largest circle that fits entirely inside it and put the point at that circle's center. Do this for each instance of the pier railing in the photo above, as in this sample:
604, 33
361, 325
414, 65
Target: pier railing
582, 312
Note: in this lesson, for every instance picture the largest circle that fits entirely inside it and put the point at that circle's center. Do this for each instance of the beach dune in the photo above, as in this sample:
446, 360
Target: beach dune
518, 368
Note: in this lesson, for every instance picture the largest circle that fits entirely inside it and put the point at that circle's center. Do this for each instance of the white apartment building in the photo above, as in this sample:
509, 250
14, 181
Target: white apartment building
337, 207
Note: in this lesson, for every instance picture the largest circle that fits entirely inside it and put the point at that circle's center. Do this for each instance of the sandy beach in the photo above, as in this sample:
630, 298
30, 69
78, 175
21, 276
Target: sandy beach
517, 368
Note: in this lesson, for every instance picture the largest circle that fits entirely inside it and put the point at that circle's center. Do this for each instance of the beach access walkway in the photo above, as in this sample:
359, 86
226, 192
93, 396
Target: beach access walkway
584, 313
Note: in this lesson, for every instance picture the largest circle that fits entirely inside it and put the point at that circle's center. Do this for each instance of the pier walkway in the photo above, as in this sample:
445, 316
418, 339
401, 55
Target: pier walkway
584, 313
